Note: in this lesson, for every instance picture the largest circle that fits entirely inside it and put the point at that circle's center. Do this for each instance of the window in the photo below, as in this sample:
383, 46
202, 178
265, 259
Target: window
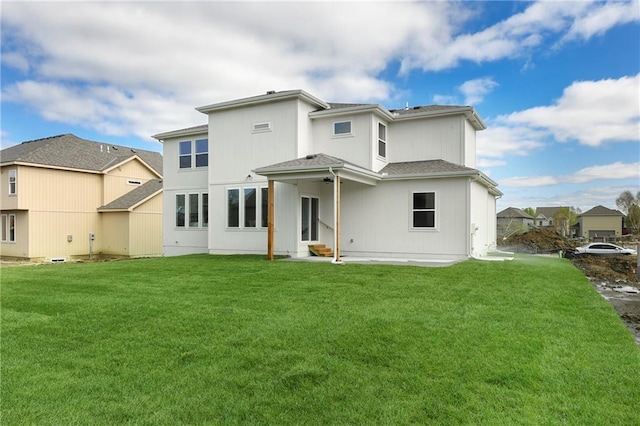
382, 140
12, 182
342, 128
202, 153
9, 228
205, 210
250, 208
264, 208
247, 208
185, 155
309, 222
4, 227
261, 127
193, 206
194, 211
424, 210
233, 208
180, 210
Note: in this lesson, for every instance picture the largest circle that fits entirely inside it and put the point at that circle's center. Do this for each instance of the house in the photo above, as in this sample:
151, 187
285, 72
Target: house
282, 172
65, 197
558, 218
513, 220
600, 223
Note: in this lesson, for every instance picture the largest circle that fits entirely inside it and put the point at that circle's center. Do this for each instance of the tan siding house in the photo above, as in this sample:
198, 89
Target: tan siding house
57, 191
600, 223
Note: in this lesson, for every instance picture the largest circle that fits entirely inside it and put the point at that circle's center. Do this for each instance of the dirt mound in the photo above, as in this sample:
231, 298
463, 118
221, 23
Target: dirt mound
614, 268
539, 241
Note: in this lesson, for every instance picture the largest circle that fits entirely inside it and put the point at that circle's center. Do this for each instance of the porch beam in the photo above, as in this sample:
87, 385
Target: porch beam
270, 218
336, 221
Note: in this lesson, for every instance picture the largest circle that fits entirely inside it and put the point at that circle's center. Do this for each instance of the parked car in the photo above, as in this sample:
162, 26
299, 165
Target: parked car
604, 249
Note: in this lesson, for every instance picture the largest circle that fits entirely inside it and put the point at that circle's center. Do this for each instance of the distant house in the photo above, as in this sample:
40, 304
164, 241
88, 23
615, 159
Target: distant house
513, 220
282, 172
65, 197
553, 217
599, 223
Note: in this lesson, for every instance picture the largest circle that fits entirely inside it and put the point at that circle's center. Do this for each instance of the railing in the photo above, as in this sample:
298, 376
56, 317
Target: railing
327, 226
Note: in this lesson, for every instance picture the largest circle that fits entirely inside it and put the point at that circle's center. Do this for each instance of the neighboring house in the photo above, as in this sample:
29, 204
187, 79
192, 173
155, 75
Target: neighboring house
557, 218
280, 172
544, 216
60, 192
599, 223
512, 220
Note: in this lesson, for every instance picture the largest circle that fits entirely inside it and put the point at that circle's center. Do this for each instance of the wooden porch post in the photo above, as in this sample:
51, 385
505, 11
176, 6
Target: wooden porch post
336, 213
270, 215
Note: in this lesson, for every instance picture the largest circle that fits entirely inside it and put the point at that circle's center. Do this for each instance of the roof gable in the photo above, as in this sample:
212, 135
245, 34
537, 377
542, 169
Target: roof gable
134, 198
513, 212
71, 152
601, 211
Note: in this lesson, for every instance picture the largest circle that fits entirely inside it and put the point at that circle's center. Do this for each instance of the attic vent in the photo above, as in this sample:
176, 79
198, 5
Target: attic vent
310, 156
115, 148
262, 127
133, 182
271, 92
416, 107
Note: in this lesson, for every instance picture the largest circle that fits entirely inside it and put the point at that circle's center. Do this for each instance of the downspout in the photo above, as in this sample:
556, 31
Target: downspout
336, 218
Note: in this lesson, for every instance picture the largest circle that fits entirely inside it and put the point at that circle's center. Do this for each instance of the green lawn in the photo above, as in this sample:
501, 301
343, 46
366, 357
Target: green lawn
241, 340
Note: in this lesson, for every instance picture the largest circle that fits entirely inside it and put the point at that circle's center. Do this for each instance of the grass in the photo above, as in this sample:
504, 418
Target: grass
240, 340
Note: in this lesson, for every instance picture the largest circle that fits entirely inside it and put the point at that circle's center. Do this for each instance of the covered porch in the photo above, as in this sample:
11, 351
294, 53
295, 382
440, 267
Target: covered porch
319, 179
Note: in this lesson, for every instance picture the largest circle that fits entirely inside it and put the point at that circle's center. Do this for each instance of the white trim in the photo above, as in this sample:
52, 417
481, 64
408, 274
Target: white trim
436, 216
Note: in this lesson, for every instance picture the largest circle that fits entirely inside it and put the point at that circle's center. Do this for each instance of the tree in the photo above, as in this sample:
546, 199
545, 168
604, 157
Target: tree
629, 205
529, 210
563, 219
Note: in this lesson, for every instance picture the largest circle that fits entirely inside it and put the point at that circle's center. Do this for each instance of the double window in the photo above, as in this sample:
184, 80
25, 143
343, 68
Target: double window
247, 207
194, 153
423, 210
192, 210
8, 228
13, 181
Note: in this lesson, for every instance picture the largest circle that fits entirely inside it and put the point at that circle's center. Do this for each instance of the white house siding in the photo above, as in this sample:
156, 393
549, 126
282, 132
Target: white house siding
482, 220
469, 145
355, 148
376, 220
178, 241
436, 138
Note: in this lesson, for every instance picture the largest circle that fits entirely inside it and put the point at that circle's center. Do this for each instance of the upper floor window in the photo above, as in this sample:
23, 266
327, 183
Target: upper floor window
424, 210
382, 140
342, 128
13, 188
188, 151
202, 153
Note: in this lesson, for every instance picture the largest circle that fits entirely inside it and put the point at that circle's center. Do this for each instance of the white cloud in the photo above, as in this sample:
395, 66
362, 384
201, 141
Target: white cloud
600, 19
160, 59
589, 112
500, 141
614, 171
475, 90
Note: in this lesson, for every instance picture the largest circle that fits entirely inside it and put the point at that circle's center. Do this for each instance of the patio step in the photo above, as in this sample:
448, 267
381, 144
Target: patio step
320, 250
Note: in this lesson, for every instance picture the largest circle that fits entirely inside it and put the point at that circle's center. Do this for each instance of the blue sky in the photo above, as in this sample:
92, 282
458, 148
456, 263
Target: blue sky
557, 83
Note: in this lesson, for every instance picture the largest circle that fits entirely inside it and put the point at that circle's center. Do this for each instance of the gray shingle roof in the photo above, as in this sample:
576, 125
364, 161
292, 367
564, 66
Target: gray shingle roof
424, 167
425, 108
548, 212
601, 211
308, 162
132, 198
513, 212
70, 151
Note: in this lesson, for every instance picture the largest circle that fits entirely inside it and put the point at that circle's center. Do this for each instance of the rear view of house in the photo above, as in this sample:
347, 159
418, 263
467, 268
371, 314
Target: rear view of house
285, 171
65, 197
599, 223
